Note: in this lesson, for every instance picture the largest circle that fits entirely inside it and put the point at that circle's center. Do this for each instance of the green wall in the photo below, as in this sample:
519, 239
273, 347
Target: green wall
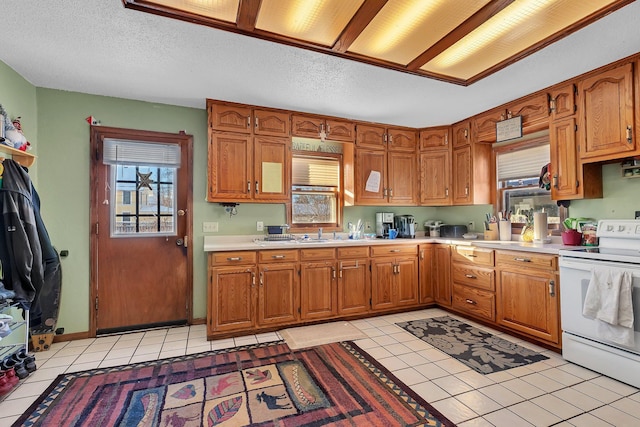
54, 122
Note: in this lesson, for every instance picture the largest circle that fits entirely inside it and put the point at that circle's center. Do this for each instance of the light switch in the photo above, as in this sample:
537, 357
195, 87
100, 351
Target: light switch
260, 226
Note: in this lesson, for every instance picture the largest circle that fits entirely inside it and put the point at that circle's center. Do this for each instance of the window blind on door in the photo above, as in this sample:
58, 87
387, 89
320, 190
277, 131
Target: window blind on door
126, 152
315, 172
526, 163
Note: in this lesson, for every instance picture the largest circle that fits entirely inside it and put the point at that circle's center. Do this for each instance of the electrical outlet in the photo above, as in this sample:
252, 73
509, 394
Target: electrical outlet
471, 225
209, 227
259, 226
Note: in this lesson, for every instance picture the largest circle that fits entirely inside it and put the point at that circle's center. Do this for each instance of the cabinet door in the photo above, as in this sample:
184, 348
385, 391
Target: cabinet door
434, 178
354, 286
484, 125
278, 301
534, 111
565, 182
230, 167
318, 290
461, 134
307, 126
373, 137
606, 115
528, 302
231, 296
442, 278
427, 272
368, 162
461, 165
562, 101
402, 179
434, 138
406, 278
223, 117
269, 122
382, 280
401, 140
340, 130
272, 168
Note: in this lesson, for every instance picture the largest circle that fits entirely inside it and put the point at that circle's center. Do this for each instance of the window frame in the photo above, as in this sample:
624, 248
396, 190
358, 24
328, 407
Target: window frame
312, 228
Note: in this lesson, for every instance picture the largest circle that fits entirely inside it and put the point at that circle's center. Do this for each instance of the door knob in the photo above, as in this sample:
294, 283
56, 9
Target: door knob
181, 212
179, 242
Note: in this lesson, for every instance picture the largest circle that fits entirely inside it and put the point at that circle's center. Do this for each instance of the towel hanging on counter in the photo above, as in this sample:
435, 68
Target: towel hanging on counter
609, 301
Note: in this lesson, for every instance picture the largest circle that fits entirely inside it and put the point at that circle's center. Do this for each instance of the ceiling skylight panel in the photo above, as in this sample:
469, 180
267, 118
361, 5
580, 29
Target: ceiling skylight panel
224, 10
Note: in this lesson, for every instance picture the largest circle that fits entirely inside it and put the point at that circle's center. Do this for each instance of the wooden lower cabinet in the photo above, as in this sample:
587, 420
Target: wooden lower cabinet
473, 280
394, 276
231, 298
473, 301
426, 271
278, 300
354, 281
318, 293
442, 275
529, 295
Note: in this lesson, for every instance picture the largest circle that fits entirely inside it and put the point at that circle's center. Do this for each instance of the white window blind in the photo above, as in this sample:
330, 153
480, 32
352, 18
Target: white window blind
125, 152
315, 172
526, 163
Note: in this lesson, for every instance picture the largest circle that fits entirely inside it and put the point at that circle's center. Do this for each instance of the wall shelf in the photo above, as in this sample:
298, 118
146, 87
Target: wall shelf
22, 157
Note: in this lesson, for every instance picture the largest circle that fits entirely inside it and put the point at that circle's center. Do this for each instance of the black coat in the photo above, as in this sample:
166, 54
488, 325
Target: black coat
20, 251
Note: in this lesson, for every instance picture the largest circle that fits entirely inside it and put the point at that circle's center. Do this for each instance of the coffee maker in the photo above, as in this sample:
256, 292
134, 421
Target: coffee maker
406, 226
384, 222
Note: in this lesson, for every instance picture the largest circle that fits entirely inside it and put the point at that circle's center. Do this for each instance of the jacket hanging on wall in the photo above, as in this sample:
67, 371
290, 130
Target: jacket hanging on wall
20, 249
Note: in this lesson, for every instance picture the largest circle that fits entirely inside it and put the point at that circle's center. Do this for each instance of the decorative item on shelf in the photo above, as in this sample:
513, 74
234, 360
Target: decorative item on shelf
93, 121
230, 208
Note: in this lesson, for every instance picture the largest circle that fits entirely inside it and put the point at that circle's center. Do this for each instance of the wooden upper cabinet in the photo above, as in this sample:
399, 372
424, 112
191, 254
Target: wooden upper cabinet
315, 126
272, 168
227, 117
606, 118
373, 137
368, 164
269, 122
471, 174
398, 178
484, 125
401, 140
402, 179
230, 167
534, 111
435, 178
562, 101
461, 134
434, 138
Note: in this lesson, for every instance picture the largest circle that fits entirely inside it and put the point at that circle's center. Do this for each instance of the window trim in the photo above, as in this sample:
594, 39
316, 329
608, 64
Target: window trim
312, 228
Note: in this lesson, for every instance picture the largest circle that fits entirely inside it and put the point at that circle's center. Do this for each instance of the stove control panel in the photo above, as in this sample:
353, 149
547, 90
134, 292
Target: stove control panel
619, 228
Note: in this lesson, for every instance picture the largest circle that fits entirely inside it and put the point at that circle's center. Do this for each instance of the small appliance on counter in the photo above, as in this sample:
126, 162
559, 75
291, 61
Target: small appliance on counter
432, 228
455, 231
384, 222
406, 226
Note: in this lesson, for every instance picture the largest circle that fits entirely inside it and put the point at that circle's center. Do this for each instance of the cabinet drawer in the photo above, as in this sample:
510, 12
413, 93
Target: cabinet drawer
353, 252
278, 255
526, 259
477, 277
317, 253
474, 301
232, 258
474, 255
394, 250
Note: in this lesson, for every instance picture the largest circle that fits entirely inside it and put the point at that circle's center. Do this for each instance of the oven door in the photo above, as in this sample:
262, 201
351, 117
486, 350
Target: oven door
575, 275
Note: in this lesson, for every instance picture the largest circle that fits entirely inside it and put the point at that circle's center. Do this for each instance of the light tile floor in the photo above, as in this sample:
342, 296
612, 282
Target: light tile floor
550, 392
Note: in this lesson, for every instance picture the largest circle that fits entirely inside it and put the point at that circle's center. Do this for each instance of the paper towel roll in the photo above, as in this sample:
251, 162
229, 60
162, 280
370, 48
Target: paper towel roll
540, 227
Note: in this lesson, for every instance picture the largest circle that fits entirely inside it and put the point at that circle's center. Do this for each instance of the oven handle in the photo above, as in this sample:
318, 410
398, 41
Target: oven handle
586, 265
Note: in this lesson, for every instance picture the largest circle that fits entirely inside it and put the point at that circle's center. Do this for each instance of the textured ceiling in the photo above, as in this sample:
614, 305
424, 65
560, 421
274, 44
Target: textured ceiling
99, 47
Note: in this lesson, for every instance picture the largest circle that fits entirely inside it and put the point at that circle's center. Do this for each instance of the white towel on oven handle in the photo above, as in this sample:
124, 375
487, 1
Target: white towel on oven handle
609, 301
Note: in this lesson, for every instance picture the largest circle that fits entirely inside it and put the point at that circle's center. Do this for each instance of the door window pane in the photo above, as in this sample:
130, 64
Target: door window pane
150, 190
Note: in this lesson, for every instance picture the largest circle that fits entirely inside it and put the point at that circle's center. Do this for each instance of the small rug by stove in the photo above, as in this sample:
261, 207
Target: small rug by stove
263, 384
481, 351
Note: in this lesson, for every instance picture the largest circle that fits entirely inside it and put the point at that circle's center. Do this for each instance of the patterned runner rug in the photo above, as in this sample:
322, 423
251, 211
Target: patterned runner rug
481, 351
263, 384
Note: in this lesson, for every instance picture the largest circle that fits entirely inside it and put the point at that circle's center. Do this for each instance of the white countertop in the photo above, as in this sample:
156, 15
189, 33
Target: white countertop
256, 242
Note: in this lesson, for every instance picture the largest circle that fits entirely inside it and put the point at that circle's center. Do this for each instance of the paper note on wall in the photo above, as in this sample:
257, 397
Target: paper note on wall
373, 182
271, 177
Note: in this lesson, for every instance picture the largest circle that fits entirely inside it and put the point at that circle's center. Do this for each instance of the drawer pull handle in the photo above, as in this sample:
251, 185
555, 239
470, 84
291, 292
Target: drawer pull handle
394, 250
522, 259
552, 288
470, 276
471, 255
470, 301
278, 256
234, 258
